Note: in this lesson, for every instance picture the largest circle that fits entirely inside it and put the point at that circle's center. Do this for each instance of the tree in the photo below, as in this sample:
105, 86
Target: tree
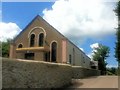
112, 71
100, 55
117, 48
5, 48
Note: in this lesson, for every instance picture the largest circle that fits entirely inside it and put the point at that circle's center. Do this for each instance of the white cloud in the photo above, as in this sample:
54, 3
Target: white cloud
110, 66
0, 15
8, 30
89, 55
80, 19
93, 46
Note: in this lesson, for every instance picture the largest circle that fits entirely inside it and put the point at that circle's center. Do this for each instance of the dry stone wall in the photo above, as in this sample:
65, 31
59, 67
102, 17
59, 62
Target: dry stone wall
80, 72
39, 74
34, 74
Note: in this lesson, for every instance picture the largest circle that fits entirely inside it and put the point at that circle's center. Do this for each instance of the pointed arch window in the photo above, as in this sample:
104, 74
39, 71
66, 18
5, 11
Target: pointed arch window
32, 40
41, 39
20, 46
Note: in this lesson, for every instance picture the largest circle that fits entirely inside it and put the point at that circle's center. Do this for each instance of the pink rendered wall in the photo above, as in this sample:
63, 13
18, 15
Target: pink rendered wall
64, 57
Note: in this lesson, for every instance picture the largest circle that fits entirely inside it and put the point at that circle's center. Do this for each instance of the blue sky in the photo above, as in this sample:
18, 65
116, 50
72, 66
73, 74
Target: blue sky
20, 14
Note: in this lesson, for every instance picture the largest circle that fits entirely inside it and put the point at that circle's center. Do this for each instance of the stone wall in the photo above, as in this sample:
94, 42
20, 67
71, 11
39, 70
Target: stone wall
80, 72
34, 74
39, 74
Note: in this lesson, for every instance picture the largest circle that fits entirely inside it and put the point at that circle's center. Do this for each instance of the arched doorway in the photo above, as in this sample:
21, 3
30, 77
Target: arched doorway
53, 52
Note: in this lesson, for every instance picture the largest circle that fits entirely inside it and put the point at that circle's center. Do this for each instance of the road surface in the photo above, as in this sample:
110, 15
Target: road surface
96, 82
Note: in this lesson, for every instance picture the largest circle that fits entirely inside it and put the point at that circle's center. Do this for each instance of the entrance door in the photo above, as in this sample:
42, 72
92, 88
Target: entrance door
29, 56
54, 52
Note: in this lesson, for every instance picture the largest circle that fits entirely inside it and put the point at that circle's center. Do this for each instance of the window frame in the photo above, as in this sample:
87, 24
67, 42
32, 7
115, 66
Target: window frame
43, 40
32, 44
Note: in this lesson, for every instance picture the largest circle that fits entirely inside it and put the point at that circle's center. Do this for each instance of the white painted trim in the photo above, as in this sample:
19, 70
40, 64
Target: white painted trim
36, 28
37, 39
50, 49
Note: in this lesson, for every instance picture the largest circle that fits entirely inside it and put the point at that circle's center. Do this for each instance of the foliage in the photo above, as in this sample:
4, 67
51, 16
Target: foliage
109, 73
112, 71
117, 11
117, 48
100, 55
118, 71
5, 48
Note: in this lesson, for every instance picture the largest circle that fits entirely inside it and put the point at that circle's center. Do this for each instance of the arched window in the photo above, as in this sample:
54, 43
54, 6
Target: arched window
20, 46
53, 51
41, 39
32, 40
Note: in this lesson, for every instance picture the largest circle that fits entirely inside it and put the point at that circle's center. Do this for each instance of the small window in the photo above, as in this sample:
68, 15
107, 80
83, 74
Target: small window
83, 59
20, 46
32, 40
29, 56
41, 39
70, 58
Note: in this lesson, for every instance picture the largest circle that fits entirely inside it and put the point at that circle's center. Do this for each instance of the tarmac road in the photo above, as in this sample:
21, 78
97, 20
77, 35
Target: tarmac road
96, 82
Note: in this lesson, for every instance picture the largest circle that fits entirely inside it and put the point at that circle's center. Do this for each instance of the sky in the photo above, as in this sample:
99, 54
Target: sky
85, 24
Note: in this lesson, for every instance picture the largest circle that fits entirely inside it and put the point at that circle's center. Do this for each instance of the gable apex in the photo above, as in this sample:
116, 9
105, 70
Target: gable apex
35, 18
